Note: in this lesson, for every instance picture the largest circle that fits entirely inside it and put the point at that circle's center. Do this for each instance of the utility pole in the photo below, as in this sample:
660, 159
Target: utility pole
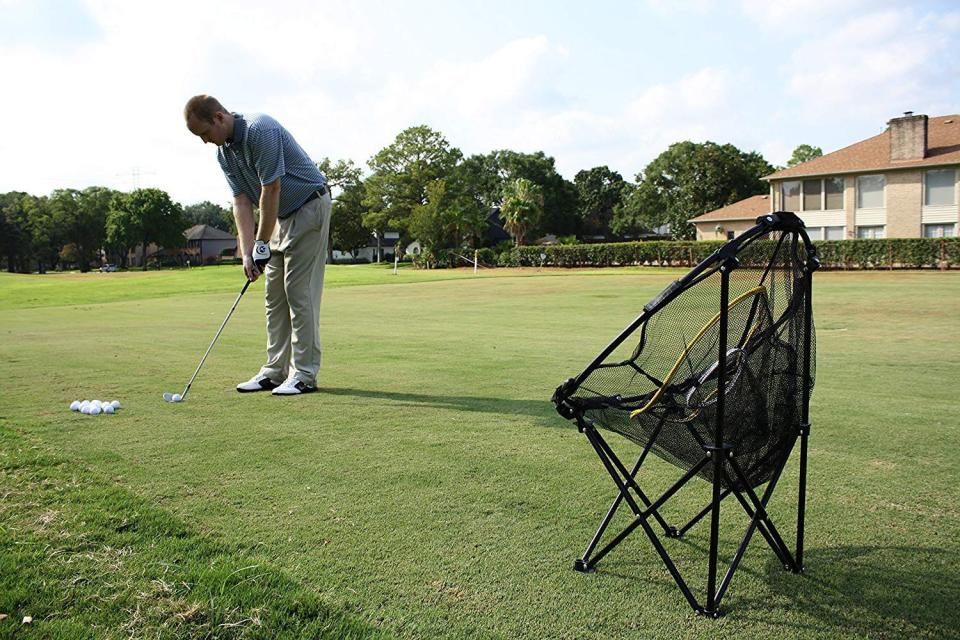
134, 174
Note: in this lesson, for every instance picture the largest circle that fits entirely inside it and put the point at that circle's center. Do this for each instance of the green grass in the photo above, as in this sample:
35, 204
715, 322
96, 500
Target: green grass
430, 490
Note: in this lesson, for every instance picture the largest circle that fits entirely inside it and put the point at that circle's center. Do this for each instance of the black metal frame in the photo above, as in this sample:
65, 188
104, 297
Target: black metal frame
720, 454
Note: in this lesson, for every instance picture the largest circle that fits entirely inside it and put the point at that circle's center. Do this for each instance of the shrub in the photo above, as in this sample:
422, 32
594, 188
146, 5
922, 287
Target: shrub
897, 253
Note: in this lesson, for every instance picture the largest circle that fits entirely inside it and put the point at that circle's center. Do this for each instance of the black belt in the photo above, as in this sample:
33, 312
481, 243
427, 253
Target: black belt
316, 194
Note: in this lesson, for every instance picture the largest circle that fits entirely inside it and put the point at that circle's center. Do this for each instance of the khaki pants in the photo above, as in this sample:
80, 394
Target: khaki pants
294, 285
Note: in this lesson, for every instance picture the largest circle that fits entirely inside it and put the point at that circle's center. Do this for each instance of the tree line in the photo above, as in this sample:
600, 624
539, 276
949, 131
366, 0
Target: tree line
79, 228
424, 188
420, 186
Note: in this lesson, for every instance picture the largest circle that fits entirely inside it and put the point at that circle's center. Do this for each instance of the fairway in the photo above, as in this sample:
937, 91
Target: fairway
430, 489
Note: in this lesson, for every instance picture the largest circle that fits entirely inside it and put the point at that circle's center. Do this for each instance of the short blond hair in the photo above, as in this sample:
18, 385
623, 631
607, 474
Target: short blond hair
202, 107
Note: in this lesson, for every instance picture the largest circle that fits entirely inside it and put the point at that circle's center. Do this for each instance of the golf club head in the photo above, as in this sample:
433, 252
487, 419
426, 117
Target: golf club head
172, 397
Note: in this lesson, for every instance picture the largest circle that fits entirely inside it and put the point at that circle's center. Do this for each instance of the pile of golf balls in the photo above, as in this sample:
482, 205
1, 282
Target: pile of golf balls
94, 407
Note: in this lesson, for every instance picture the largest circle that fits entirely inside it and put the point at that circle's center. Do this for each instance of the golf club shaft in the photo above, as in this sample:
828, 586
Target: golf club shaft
214, 341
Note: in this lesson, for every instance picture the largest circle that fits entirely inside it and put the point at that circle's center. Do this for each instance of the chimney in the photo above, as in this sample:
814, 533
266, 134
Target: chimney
908, 137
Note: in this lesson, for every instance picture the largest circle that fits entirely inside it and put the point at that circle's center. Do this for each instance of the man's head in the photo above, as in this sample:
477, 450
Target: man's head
208, 119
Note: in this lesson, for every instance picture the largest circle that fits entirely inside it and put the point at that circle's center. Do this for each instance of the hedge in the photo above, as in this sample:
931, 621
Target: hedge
893, 253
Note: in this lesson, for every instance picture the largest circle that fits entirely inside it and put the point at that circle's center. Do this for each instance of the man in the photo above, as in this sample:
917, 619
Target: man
265, 166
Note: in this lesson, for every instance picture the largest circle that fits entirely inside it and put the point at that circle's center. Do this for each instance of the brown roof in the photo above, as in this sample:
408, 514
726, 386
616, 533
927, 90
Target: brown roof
873, 154
206, 232
747, 209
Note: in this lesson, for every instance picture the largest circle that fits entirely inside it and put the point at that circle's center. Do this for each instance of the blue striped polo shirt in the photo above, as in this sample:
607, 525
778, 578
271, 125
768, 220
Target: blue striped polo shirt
259, 152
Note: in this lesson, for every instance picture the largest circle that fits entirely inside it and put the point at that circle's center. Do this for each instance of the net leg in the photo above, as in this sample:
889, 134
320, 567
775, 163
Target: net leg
802, 500
586, 563
717, 449
630, 482
760, 507
583, 563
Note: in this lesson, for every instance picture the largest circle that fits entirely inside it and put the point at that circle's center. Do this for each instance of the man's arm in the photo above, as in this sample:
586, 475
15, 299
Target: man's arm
269, 209
243, 216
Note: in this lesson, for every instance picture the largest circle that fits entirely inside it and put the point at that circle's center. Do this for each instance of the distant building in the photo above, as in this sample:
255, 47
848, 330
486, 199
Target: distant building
205, 244
380, 248
899, 184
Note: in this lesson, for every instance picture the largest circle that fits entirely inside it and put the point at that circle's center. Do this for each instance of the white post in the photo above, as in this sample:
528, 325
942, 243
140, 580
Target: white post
396, 259
476, 253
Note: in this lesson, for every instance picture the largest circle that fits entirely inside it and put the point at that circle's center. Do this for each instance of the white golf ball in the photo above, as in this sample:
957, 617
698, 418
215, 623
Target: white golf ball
177, 397
115, 404
75, 405
85, 409
94, 410
108, 408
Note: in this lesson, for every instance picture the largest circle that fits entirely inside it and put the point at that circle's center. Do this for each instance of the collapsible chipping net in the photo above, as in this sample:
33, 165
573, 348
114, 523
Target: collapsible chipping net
733, 338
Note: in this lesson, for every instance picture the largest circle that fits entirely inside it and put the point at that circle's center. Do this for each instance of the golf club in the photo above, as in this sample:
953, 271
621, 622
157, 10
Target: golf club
179, 397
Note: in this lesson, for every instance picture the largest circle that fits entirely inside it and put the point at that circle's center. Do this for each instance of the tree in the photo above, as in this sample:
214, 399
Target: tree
346, 222
341, 174
347, 232
81, 218
401, 173
146, 216
451, 217
45, 236
481, 177
522, 208
804, 153
15, 234
559, 195
634, 214
690, 179
210, 214
599, 192
432, 223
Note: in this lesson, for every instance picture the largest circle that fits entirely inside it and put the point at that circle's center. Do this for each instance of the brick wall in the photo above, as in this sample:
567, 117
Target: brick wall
904, 200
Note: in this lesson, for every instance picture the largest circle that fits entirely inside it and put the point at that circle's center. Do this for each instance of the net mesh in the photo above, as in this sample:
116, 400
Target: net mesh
667, 387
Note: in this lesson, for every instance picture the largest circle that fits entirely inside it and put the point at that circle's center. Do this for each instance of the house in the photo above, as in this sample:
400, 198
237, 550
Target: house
205, 244
899, 184
380, 247
730, 221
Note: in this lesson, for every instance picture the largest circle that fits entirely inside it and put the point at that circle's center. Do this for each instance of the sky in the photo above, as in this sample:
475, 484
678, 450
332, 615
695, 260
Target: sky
93, 90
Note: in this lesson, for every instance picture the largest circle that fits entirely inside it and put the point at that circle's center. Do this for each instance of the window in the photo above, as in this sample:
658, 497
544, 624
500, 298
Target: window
833, 190
834, 233
815, 194
825, 233
939, 230
811, 195
939, 187
791, 195
870, 192
872, 232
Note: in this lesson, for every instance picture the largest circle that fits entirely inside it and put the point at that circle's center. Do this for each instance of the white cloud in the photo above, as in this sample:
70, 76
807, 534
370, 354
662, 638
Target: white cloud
800, 16
345, 82
875, 65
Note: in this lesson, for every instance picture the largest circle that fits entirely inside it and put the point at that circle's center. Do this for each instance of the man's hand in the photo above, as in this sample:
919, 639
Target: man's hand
261, 254
256, 261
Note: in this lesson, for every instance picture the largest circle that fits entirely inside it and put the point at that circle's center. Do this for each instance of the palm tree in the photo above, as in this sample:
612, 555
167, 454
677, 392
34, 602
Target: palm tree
522, 208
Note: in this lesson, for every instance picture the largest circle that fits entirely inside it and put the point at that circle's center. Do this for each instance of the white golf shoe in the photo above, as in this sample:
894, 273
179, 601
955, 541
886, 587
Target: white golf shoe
293, 387
258, 382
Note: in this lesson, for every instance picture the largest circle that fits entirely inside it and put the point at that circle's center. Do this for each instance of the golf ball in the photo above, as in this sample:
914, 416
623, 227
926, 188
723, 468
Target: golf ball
95, 410
177, 397
108, 408
115, 404
85, 409
75, 405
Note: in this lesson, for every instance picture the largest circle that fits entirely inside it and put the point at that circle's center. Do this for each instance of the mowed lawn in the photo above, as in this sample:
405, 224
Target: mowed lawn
430, 490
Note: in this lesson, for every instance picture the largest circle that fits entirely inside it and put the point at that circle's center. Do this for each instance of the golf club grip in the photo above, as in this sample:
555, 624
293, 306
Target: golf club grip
219, 331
